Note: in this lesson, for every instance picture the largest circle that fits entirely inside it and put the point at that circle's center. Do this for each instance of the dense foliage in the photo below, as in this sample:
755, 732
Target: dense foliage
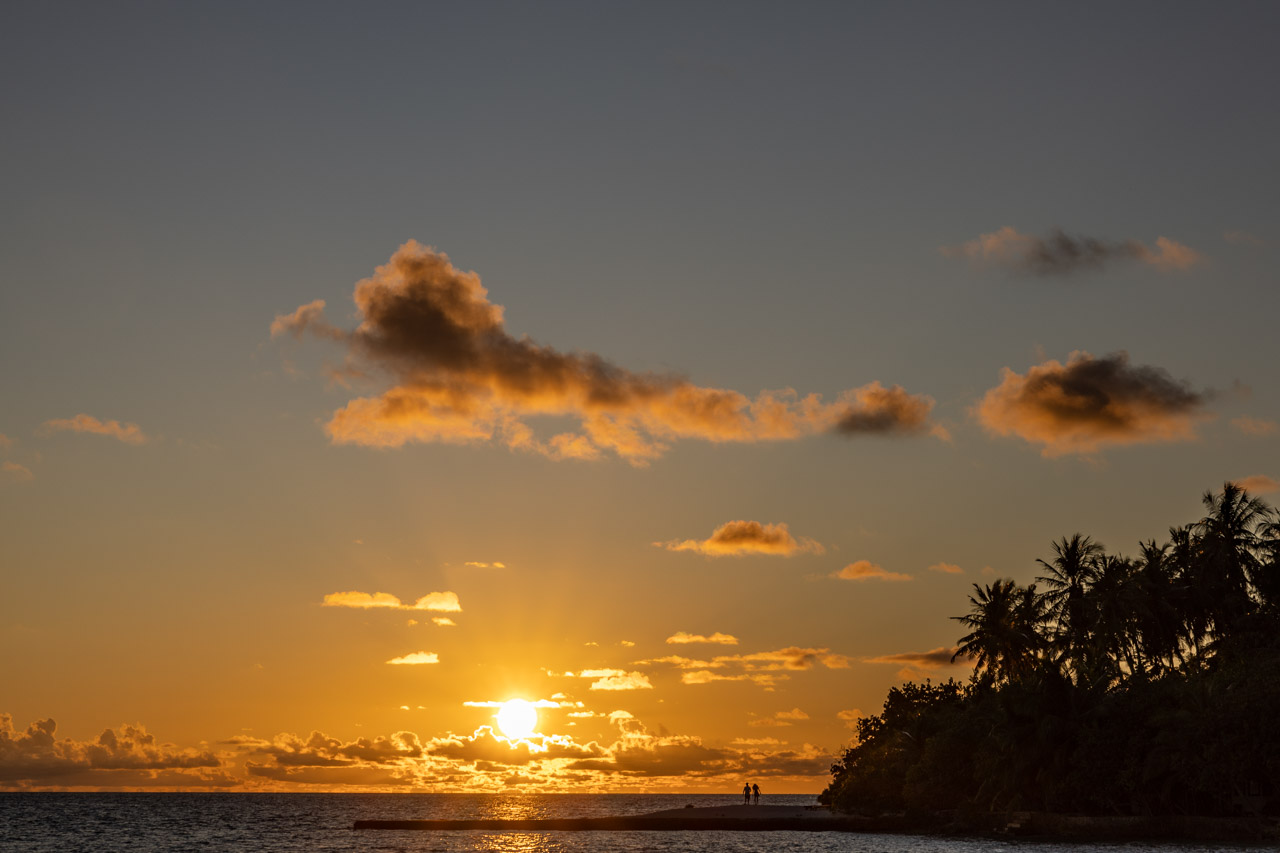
1111, 685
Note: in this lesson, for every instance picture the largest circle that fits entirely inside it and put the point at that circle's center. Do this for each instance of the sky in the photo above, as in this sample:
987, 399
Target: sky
676, 368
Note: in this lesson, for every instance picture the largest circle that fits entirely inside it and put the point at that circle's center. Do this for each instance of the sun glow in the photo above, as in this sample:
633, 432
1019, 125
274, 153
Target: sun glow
517, 718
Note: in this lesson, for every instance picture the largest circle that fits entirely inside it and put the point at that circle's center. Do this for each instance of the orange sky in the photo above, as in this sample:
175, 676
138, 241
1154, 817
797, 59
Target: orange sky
676, 370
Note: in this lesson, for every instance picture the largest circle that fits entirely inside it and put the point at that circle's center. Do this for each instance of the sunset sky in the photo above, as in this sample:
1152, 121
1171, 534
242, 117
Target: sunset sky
677, 368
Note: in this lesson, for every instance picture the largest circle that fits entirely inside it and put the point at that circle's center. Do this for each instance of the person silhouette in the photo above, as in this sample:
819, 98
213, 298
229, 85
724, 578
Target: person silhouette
755, 793
746, 794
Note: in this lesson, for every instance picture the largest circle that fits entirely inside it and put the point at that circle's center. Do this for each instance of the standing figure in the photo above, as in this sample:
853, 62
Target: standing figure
746, 794
755, 792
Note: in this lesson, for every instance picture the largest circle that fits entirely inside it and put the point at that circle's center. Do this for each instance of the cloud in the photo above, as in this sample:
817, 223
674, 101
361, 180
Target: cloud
306, 318
128, 433
537, 703
485, 745
415, 658
15, 472
932, 659
738, 538
443, 621
1255, 426
5, 442
757, 741
442, 602
460, 377
680, 637
793, 714
888, 411
915, 665
478, 565
946, 568
1243, 238
761, 668
126, 756
850, 716
865, 570
1061, 253
1089, 403
1258, 484
616, 679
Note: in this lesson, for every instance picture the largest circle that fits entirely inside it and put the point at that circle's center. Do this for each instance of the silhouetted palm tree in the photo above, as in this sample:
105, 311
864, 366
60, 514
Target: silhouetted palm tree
1229, 549
1004, 622
1069, 575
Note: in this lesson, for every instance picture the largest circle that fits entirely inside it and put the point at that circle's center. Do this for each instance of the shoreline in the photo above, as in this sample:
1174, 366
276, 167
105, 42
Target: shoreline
1022, 825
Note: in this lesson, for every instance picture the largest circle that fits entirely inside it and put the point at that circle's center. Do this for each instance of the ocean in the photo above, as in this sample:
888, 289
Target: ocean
232, 823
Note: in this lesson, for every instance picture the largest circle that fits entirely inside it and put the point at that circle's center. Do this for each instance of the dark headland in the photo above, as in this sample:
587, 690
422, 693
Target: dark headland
739, 818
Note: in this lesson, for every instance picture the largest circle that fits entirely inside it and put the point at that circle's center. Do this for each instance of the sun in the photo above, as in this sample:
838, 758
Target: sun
517, 718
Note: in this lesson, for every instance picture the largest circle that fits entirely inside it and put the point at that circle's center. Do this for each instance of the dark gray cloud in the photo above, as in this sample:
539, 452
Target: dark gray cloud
1090, 402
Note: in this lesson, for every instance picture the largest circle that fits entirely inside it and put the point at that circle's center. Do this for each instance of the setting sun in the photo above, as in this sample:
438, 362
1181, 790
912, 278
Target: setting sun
517, 718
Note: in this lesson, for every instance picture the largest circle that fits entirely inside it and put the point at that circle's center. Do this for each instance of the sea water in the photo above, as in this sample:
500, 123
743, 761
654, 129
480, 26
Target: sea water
241, 823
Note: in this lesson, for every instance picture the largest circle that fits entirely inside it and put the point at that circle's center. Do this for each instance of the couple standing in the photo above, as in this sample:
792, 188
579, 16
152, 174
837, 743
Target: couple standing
749, 792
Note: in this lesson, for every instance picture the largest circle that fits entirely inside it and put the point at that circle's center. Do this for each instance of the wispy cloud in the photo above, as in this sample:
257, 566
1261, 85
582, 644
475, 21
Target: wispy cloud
15, 472
416, 658
463, 378
946, 568
1243, 238
127, 432
1255, 426
616, 679
478, 565
865, 570
931, 659
681, 637
739, 538
1089, 403
1258, 484
913, 663
1060, 253
444, 602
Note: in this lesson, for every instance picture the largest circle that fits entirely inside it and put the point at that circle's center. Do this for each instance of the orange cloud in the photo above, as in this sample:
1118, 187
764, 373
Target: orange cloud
850, 716
1258, 484
15, 472
1061, 253
946, 568
865, 570
1089, 403
762, 668
444, 602
478, 565
1255, 426
680, 637
443, 622
416, 658
738, 538
124, 756
128, 433
793, 714
616, 679
462, 378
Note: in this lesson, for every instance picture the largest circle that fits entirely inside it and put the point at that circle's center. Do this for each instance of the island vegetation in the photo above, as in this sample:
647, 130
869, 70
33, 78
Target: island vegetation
1112, 685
